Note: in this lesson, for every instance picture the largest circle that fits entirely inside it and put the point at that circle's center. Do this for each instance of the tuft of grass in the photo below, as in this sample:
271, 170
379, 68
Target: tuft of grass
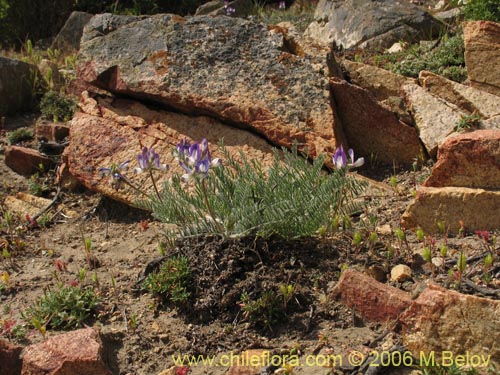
291, 198
19, 135
65, 308
171, 282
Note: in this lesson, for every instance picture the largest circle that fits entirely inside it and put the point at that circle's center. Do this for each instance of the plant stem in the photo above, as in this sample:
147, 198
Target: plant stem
209, 207
154, 186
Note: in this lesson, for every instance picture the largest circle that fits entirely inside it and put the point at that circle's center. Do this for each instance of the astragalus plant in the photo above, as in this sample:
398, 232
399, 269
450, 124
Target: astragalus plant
290, 198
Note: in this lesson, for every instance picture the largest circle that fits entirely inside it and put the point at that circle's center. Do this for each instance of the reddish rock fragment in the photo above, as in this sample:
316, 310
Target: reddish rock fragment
54, 132
25, 160
445, 321
10, 361
374, 301
74, 353
468, 160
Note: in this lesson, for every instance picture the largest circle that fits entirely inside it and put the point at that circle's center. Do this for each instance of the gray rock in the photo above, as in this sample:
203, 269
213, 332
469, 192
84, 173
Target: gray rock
71, 32
16, 85
371, 23
228, 68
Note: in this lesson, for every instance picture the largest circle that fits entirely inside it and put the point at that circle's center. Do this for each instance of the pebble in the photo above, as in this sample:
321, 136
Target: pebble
401, 273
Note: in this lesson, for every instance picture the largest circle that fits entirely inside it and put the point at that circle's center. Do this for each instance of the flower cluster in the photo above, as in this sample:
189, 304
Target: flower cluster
282, 5
195, 159
149, 160
115, 172
340, 159
229, 9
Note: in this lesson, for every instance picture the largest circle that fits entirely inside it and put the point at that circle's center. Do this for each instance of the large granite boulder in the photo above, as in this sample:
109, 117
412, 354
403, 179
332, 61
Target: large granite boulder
16, 85
482, 54
371, 23
230, 69
71, 32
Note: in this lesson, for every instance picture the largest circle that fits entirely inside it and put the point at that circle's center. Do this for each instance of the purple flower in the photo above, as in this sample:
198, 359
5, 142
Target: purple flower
229, 9
115, 172
195, 159
282, 5
340, 159
149, 160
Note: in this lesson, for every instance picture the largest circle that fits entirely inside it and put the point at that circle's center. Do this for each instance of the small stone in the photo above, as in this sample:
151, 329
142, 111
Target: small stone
374, 301
438, 261
401, 273
78, 352
25, 161
395, 48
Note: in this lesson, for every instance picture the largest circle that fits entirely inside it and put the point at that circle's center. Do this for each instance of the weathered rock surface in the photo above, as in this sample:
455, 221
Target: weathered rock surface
468, 160
122, 125
77, 352
368, 23
374, 301
371, 129
380, 82
25, 160
442, 320
23, 204
16, 94
228, 68
438, 320
50, 131
10, 361
71, 32
435, 118
477, 208
482, 54
465, 97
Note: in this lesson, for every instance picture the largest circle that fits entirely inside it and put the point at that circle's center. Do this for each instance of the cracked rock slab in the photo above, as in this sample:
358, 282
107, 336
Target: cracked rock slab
371, 129
109, 131
237, 71
468, 160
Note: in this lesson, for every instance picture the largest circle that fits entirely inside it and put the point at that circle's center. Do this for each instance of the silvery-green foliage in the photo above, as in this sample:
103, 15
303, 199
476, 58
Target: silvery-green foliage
291, 198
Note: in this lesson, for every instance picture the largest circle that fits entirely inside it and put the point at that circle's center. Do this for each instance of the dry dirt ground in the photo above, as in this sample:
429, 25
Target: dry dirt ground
141, 334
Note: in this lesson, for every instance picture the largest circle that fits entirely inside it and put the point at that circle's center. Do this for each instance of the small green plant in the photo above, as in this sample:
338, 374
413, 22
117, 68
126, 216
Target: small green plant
264, 311
171, 282
19, 135
64, 308
468, 122
37, 186
286, 292
57, 107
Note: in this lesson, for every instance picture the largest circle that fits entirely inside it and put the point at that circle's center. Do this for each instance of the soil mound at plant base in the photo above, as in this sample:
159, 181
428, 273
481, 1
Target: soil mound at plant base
224, 270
